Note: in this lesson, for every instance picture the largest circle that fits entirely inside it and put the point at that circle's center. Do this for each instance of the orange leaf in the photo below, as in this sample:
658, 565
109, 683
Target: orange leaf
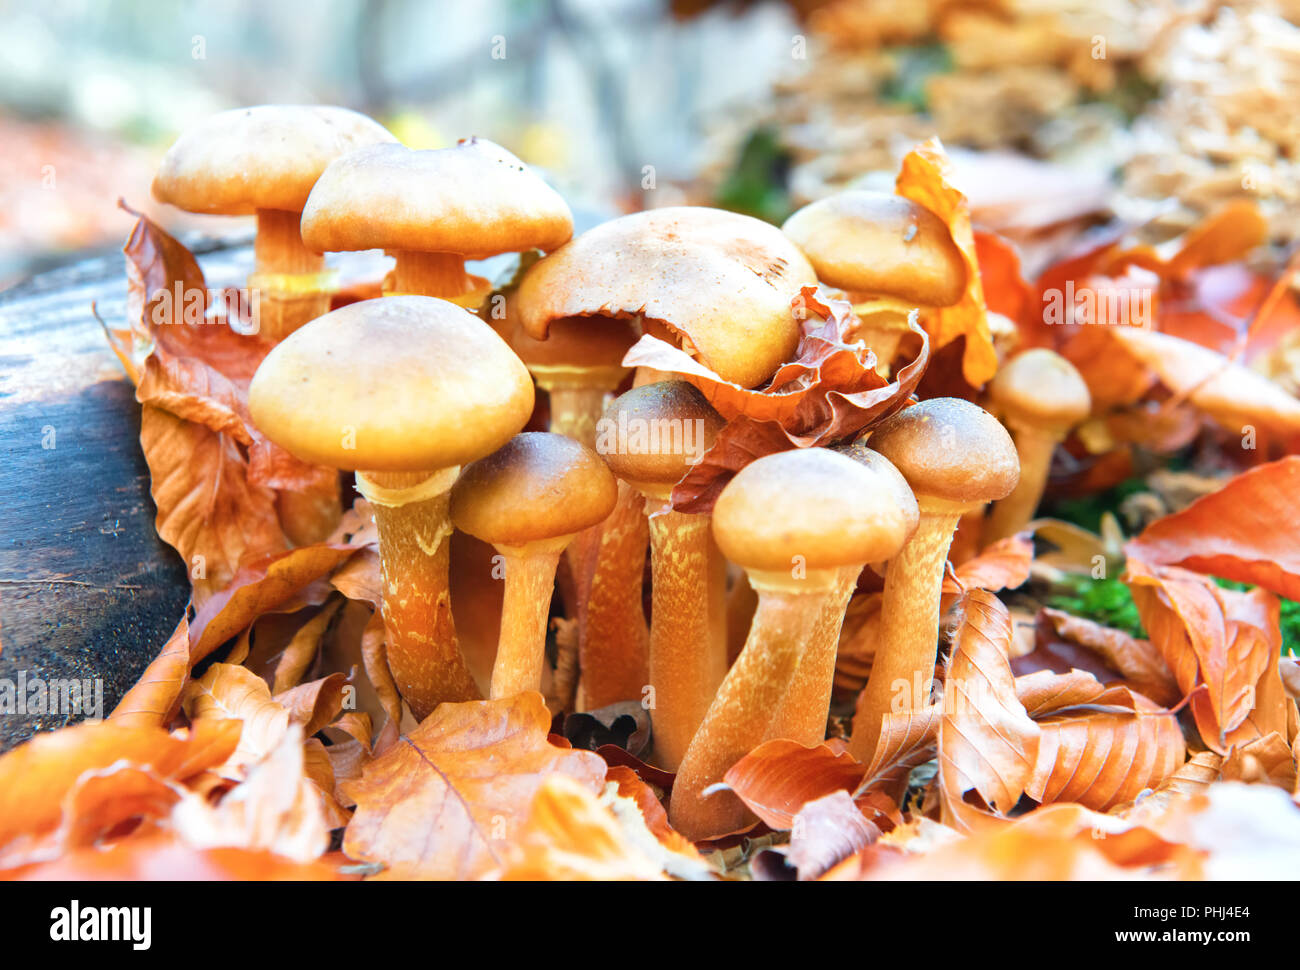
1137, 661
231, 692
154, 699
164, 859
779, 777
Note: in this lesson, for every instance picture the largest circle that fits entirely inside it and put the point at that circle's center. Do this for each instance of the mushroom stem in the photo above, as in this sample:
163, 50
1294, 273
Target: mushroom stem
1035, 447
575, 408
411, 516
902, 670
614, 642
806, 705
742, 714
436, 274
682, 658
717, 591
290, 280
530, 581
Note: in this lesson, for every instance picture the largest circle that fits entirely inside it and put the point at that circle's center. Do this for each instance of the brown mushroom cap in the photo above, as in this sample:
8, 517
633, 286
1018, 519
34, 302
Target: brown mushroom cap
474, 200
1041, 388
816, 504
882, 245
538, 485
951, 450
576, 342
267, 157
653, 434
401, 383
721, 282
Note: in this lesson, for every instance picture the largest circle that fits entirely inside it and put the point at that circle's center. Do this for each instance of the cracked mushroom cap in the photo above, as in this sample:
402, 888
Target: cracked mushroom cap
401, 383
880, 245
815, 503
950, 450
653, 434
474, 200
538, 485
720, 282
1041, 388
267, 157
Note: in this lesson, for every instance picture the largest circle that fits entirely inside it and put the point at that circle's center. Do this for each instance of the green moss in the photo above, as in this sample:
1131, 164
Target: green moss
756, 184
1105, 601
914, 66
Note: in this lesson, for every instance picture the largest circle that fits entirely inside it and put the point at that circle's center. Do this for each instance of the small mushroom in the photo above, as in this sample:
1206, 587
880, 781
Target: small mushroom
529, 499
802, 523
403, 390
1040, 397
956, 457
887, 253
650, 436
264, 161
432, 210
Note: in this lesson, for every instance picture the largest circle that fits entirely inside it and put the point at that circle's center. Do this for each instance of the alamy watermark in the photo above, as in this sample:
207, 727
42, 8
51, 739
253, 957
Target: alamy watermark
67, 696
1114, 306
651, 436
195, 306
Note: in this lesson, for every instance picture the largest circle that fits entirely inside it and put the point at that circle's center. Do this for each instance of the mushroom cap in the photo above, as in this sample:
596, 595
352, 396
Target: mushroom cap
720, 281
817, 504
401, 383
576, 342
538, 485
653, 434
1041, 388
950, 450
267, 157
474, 200
880, 244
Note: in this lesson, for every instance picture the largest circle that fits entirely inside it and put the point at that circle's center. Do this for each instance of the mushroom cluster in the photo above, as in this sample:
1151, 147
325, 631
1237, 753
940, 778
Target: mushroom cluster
426, 401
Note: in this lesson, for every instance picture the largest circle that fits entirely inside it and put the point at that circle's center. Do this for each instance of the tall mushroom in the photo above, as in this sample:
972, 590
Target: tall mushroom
403, 390
1040, 397
264, 161
956, 457
528, 499
802, 523
433, 210
650, 436
888, 253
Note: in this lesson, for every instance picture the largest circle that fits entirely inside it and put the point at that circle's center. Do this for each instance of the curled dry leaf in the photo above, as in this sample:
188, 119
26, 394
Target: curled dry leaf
1137, 661
631, 786
299, 653
154, 699
907, 739
230, 692
826, 831
443, 802
1263, 761
1249, 531
314, 704
1001, 565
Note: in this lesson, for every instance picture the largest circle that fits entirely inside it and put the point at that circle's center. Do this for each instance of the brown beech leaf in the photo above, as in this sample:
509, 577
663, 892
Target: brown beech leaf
1211, 638
230, 692
827, 830
1267, 761
907, 739
260, 586
318, 768
631, 786
1249, 531
987, 742
155, 698
301, 650
36, 776
1001, 565
314, 704
779, 777
1137, 661
443, 801
925, 178
1099, 746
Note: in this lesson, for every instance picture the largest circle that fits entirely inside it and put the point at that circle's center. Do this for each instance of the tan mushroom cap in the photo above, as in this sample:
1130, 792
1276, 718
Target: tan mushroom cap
721, 282
401, 383
537, 486
951, 450
576, 342
881, 245
267, 157
473, 200
816, 504
653, 434
1041, 388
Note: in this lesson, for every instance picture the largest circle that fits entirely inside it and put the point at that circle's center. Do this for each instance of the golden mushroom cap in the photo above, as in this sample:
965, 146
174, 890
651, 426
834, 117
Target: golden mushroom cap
653, 434
950, 450
882, 245
538, 485
266, 157
474, 200
720, 282
402, 383
1041, 388
815, 504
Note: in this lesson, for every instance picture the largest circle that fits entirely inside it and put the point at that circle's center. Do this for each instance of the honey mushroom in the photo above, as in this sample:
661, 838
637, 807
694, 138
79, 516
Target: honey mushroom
529, 499
649, 437
403, 390
717, 284
887, 253
432, 210
1040, 396
955, 457
799, 522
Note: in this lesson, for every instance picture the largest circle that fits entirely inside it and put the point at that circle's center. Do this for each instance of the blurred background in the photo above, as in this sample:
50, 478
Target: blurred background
1056, 111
